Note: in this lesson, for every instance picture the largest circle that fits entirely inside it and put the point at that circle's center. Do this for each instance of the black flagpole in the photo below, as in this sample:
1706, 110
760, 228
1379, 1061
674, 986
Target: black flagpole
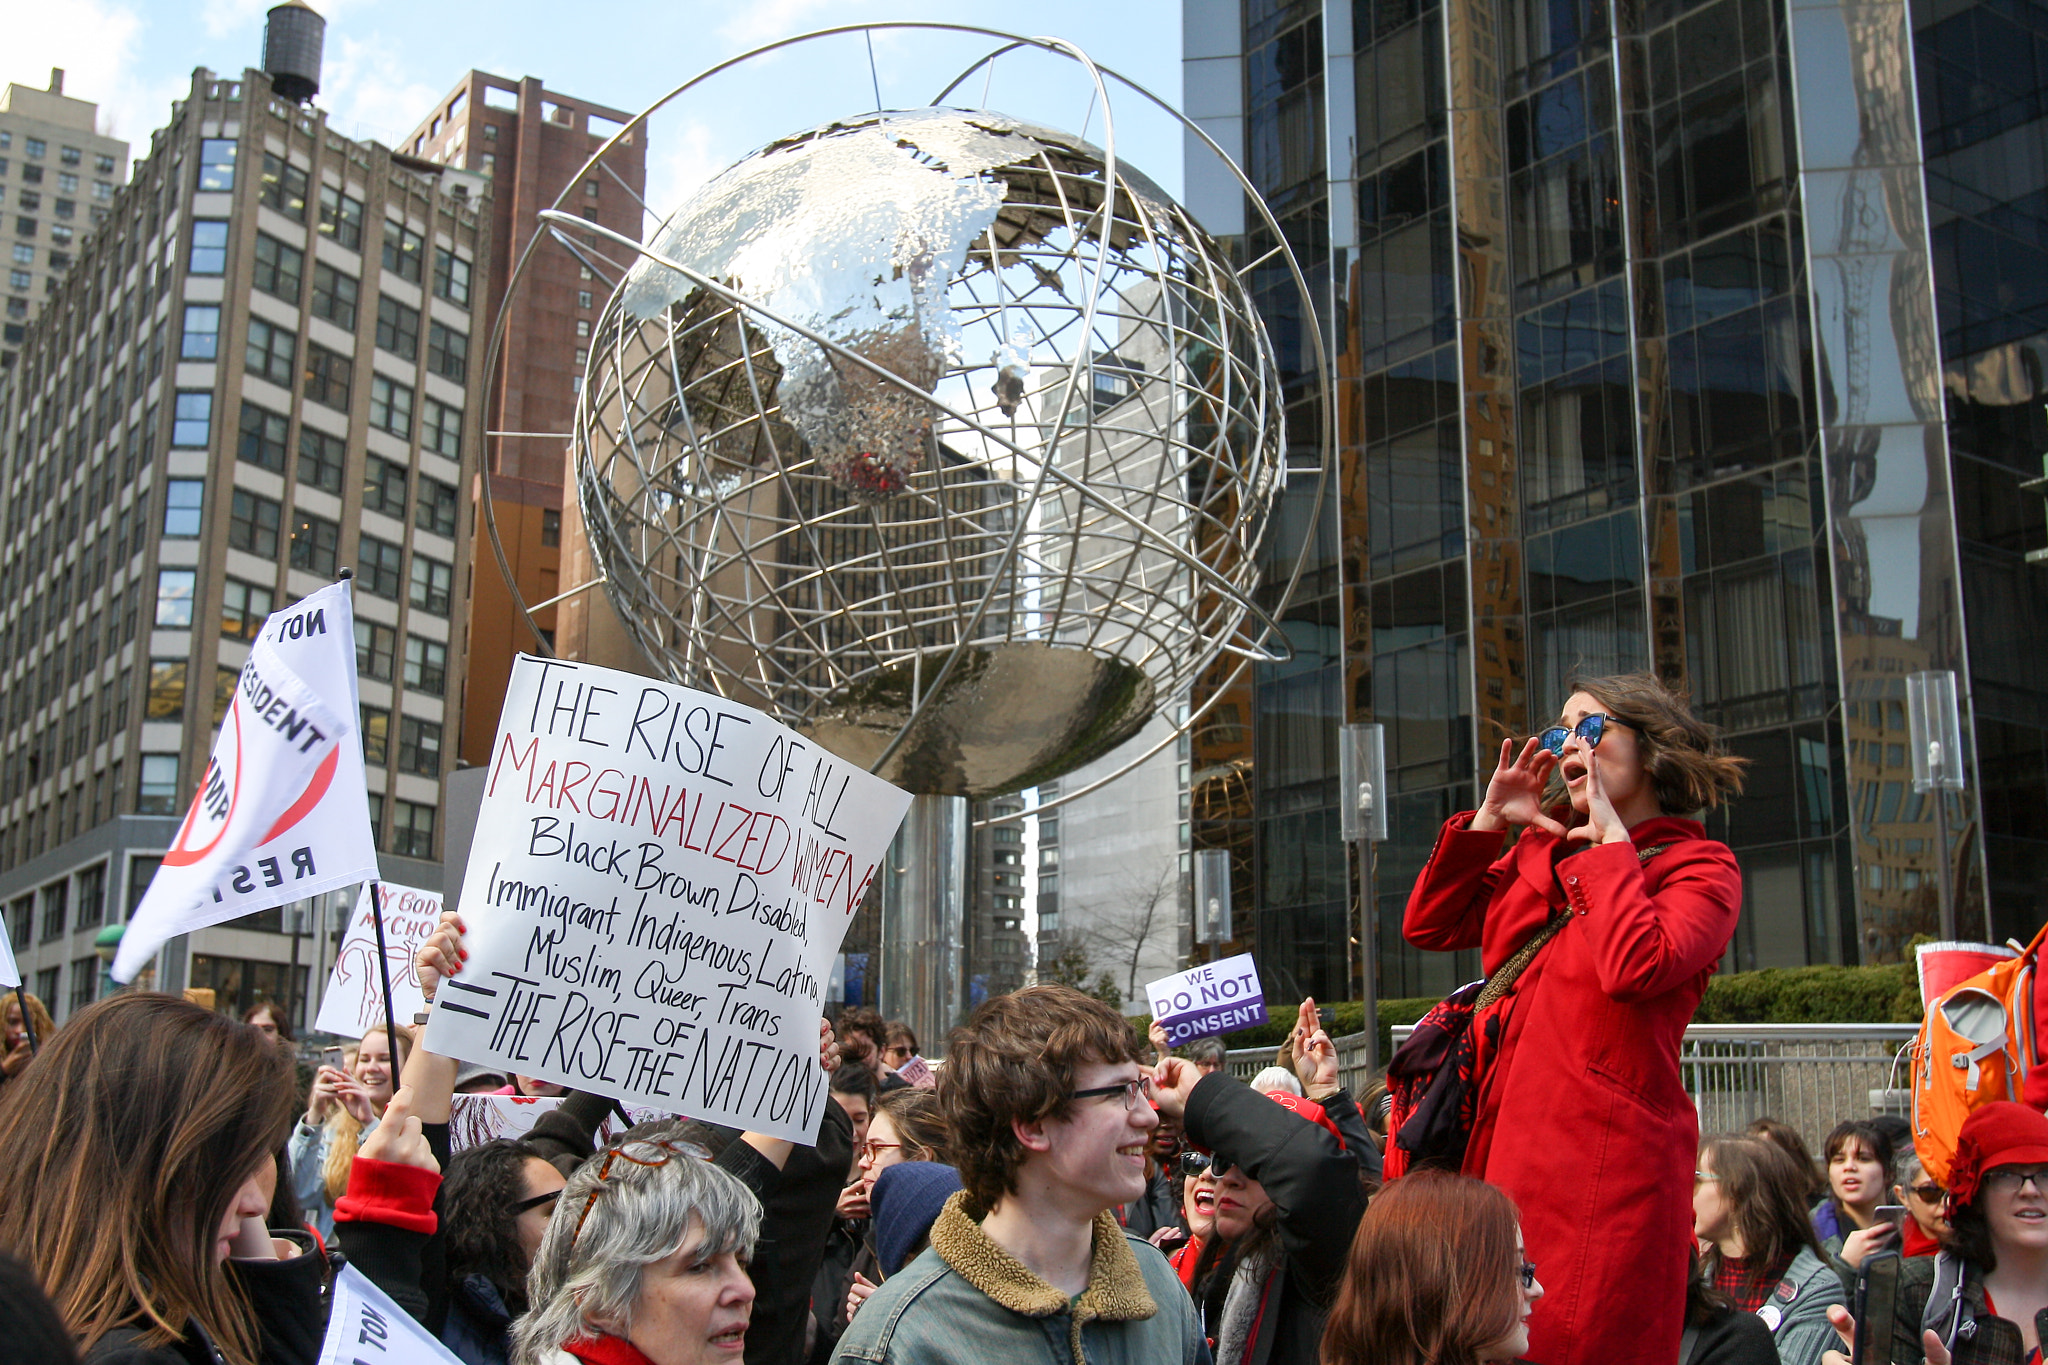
384, 966
27, 1025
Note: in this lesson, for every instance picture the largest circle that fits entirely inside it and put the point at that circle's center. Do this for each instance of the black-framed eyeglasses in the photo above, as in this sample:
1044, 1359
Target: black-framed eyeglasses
1526, 1272
1136, 1090
532, 1202
1195, 1163
2009, 1179
1590, 729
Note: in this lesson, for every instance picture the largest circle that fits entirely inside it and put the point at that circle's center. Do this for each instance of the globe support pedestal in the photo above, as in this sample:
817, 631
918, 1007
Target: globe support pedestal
924, 919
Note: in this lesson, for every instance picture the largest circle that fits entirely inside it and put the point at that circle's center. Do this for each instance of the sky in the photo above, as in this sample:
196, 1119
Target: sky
388, 61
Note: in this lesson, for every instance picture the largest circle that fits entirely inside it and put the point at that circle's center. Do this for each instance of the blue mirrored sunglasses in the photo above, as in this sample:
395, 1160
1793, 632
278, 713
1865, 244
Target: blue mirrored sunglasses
1590, 728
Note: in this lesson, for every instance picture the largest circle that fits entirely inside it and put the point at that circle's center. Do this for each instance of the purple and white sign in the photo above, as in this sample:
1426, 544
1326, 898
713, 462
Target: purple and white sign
1216, 997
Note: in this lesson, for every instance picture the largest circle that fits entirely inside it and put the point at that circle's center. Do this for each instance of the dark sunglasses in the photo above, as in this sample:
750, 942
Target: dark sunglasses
1590, 729
1195, 1163
533, 1202
1527, 1272
1930, 1193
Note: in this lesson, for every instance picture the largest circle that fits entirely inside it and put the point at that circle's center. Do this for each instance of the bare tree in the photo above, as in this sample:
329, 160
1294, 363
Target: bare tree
1145, 908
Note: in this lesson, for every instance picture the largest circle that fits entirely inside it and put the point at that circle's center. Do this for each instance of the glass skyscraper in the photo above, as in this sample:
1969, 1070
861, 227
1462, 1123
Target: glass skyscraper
1708, 338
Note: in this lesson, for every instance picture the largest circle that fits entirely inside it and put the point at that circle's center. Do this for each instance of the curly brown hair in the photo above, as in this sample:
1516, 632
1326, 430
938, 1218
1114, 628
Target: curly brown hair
1688, 768
1015, 1061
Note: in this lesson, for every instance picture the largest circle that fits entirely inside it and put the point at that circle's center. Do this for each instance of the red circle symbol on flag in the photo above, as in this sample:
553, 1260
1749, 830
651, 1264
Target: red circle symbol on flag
213, 806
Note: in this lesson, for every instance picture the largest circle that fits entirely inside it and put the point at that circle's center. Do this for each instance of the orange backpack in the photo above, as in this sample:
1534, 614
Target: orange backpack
1976, 1045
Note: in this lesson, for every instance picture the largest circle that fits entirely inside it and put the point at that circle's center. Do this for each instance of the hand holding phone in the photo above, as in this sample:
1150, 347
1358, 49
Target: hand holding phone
1876, 1305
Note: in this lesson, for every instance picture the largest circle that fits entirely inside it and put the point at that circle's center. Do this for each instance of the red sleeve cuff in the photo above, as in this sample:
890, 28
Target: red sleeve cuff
389, 1193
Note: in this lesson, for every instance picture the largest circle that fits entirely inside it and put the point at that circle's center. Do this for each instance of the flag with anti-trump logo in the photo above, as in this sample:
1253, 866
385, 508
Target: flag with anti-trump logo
281, 811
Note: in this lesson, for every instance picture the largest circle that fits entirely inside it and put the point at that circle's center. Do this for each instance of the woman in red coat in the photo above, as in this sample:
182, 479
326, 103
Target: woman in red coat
1581, 1117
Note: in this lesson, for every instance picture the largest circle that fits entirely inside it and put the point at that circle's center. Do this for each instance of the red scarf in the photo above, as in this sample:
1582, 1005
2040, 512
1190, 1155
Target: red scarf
1747, 1281
1916, 1242
606, 1350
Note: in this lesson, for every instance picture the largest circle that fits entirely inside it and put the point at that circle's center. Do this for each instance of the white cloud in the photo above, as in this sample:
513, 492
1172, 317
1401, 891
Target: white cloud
686, 153
96, 42
767, 20
368, 91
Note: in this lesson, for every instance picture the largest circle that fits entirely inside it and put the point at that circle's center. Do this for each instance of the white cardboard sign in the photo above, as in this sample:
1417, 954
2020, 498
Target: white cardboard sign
1216, 997
659, 882
354, 999
364, 1327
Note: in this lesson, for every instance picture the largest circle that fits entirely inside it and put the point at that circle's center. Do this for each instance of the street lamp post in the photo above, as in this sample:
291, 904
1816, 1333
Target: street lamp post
1362, 810
1212, 897
1934, 730
105, 944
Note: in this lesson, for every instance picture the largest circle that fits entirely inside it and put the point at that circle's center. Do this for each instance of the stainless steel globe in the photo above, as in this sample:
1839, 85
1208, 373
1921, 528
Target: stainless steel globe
942, 437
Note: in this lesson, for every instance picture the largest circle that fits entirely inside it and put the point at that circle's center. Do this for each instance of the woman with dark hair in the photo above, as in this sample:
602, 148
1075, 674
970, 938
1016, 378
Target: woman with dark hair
906, 1126
1437, 1276
494, 1207
1620, 907
1793, 1145
137, 1159
1858, 1156
1749, 1211
268, 1018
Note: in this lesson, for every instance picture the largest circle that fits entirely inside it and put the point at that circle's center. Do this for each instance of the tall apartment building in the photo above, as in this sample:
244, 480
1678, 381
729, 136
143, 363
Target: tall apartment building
529, 142
998, 949
1701, 336
261, 369
58, 174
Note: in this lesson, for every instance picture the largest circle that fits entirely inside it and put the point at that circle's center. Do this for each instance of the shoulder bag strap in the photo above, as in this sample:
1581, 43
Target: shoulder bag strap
1504, 978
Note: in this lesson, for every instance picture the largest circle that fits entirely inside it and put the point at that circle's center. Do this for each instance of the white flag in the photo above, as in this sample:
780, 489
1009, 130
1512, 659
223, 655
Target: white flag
280, 814
354, 999
364, 1325
10, 974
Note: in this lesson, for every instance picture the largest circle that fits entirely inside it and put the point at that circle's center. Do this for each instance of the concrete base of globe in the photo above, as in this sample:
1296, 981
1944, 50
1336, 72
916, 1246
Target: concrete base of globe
922, 978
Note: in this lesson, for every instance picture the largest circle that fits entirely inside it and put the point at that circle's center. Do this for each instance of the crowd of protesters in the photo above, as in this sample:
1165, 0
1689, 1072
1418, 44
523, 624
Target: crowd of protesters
1057, 1187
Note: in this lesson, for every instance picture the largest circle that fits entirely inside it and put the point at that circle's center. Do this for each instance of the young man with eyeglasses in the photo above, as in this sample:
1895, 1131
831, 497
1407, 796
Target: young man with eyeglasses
1048, 1114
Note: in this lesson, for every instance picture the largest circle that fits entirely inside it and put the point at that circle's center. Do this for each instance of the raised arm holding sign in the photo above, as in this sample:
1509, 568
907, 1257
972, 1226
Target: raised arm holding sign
659, 881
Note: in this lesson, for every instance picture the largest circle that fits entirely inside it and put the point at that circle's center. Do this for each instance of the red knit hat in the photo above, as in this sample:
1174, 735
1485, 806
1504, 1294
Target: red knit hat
2001, 1133
1307, 1109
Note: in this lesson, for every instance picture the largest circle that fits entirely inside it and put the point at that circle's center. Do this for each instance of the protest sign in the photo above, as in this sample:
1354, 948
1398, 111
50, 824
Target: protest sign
354, 999
659, 880
364, 1327
1216, 997
280, 813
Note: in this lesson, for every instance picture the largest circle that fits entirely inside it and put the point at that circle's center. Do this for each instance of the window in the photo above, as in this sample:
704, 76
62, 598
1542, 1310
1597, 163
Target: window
70, 156
426, 665
376, 735
435, 511
103, 191
243, 607
431, 581
316, 543
550, 527
67, 183
328, 376
92, 894
269, 352
341, 217
284, 187
174, 589
402, 248
192, 418
381, 566
419, 746
320, 459
158, 792
18, 279
223, 692
201, 338
447, 352
391, 406
262, 443
104, 165
166, 699
412, 830
216, 164
375, 646
377, 820
441, 430
209, 246
279, 268
398, 328
26, 255
334, 296
583, 298
451, 276
384, 487
25, 227
56, 913
85, 982
253, 523
183, 499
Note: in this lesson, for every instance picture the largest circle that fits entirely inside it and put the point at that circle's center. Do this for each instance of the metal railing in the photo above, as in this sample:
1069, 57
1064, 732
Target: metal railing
1247, 1062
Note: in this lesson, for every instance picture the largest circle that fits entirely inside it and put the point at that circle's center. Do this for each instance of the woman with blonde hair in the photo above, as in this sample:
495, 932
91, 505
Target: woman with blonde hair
342, 1109
136, 1164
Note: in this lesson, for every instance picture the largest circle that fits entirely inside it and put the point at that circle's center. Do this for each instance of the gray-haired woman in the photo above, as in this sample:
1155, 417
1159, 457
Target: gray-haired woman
644, 1263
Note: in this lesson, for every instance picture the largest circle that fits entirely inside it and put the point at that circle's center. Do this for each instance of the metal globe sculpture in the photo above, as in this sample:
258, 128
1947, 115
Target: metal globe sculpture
943, 437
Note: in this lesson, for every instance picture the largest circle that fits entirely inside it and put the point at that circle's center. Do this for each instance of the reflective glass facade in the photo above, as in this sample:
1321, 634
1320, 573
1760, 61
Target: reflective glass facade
1663, 329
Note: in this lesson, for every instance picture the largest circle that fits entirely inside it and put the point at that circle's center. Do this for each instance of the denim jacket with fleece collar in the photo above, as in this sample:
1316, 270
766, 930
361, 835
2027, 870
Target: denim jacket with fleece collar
967, 1299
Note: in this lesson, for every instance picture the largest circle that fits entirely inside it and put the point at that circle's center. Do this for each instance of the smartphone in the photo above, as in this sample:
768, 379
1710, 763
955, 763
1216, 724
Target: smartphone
1327, 1016
1876, 1304
1895, 1214
331, 1056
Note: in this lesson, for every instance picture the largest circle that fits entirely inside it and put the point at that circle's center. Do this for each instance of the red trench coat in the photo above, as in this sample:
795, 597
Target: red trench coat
1587, 1126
